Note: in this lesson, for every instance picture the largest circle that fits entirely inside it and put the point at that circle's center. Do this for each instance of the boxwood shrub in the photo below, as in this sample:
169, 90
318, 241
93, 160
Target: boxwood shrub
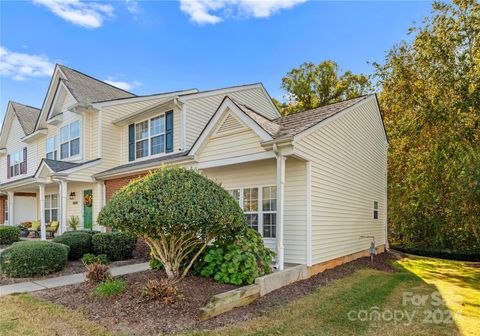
442, 254
116, 245
9, 235
33, 258
80, 243
236, 261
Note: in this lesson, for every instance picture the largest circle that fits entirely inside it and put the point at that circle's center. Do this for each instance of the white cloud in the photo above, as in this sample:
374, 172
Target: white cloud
85, 14
21, 66
121, 84
132, 6
214, 11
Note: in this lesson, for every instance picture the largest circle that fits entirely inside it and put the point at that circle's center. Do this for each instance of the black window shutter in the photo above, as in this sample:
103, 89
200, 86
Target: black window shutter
24, 160
8, 166
169, 131
131, 142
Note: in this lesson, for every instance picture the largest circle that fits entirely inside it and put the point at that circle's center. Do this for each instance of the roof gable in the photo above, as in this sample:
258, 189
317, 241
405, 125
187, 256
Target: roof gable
24, 114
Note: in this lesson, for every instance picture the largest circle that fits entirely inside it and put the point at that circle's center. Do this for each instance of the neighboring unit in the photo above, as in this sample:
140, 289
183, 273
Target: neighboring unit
312, 183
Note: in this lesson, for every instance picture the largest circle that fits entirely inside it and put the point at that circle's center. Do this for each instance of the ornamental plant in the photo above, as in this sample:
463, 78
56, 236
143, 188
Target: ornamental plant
178, 212
237, 261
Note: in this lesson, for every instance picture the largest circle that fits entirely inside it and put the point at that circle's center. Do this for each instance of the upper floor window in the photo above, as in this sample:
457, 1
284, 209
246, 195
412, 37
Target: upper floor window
70, 140
51, 148
375, 210
17, 163
150, 137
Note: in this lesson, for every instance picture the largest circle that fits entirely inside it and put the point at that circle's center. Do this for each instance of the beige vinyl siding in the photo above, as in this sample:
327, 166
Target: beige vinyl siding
91, 136
263, 173
15, 144
239, 143
200, 110
349, 165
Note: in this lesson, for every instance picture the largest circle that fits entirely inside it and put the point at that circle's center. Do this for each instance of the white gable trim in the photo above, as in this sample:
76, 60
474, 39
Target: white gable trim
41, 167
62, 85
225, 106
142, 98
7, 125
215, 92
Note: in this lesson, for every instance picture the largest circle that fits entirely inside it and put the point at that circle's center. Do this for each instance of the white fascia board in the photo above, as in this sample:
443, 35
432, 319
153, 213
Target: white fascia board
35, 135
219, 91
142, 98
236, 160
334, 117
227, 105
134, 116
6, 125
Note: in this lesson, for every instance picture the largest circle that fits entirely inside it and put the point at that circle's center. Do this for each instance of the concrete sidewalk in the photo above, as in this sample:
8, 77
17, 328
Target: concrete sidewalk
32, 286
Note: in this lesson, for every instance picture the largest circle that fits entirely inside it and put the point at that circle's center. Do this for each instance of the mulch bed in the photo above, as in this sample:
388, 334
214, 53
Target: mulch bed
131, 313
73, 267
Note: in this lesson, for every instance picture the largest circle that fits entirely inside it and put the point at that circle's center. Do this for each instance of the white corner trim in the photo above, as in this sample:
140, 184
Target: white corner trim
308, 167
334, 117
224, 107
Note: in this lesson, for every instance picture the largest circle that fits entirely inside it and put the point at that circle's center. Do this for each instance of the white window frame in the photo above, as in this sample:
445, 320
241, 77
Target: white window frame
50, 208
376, 211
148, 138
260, 211
54, 152
70, 140
16, 163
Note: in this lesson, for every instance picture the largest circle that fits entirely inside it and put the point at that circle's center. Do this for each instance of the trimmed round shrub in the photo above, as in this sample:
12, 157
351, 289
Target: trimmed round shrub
80, 243
33, 258
236, 261
9, 235
178, 212
115, 245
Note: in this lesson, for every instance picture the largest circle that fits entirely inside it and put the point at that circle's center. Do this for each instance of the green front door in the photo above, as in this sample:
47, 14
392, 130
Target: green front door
87, 209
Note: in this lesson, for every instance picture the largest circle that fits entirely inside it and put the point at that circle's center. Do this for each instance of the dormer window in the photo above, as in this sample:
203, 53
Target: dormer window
150, 137
70, 140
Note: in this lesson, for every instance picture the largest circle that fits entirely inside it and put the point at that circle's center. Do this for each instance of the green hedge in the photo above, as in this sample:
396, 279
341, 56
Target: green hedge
116, 245
442, 254
33, 258
80, 243
9, 235
90, 232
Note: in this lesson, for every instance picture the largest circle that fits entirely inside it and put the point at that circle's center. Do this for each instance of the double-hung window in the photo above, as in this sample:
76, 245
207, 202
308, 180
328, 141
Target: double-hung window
375, 210
150, 137
260, 207
17, 162
51, 208
70, 140
51, 148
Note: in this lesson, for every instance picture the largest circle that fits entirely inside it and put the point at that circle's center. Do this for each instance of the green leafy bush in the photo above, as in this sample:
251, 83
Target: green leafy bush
238, 261
33, 258
80, 243
115, 245
90, 232
155, 264
176, 211
442, 254
110, 288
9, 235
89, 259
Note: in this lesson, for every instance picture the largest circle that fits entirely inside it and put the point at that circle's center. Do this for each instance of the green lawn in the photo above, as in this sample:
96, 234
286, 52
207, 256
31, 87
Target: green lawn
421, 282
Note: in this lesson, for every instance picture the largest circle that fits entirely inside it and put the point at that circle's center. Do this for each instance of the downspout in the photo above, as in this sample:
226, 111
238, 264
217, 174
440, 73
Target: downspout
280, 202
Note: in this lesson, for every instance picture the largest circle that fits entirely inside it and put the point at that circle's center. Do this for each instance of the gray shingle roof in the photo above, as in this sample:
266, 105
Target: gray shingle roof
141, 164
269, 126
27, 116
58, 166
87, 89
296, 123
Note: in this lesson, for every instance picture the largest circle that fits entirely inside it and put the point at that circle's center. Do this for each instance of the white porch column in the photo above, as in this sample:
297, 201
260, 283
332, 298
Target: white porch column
11, 196
43, 232
280, 201
63, 205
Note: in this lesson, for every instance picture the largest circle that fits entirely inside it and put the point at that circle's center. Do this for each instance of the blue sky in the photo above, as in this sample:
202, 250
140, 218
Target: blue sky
152, 47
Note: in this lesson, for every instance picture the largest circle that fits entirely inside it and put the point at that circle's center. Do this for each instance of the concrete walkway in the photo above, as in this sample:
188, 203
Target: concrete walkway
32, 286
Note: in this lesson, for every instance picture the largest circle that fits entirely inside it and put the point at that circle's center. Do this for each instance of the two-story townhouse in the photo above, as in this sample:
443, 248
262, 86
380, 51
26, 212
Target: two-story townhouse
312, 183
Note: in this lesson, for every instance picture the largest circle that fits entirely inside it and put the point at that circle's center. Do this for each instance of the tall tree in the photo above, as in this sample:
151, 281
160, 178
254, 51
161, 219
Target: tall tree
311, 86
430, 95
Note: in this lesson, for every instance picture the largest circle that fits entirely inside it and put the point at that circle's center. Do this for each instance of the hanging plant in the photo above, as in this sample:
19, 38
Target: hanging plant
88, 200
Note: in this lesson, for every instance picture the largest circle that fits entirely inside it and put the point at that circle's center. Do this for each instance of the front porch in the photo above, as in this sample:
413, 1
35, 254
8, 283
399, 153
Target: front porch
45, 199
